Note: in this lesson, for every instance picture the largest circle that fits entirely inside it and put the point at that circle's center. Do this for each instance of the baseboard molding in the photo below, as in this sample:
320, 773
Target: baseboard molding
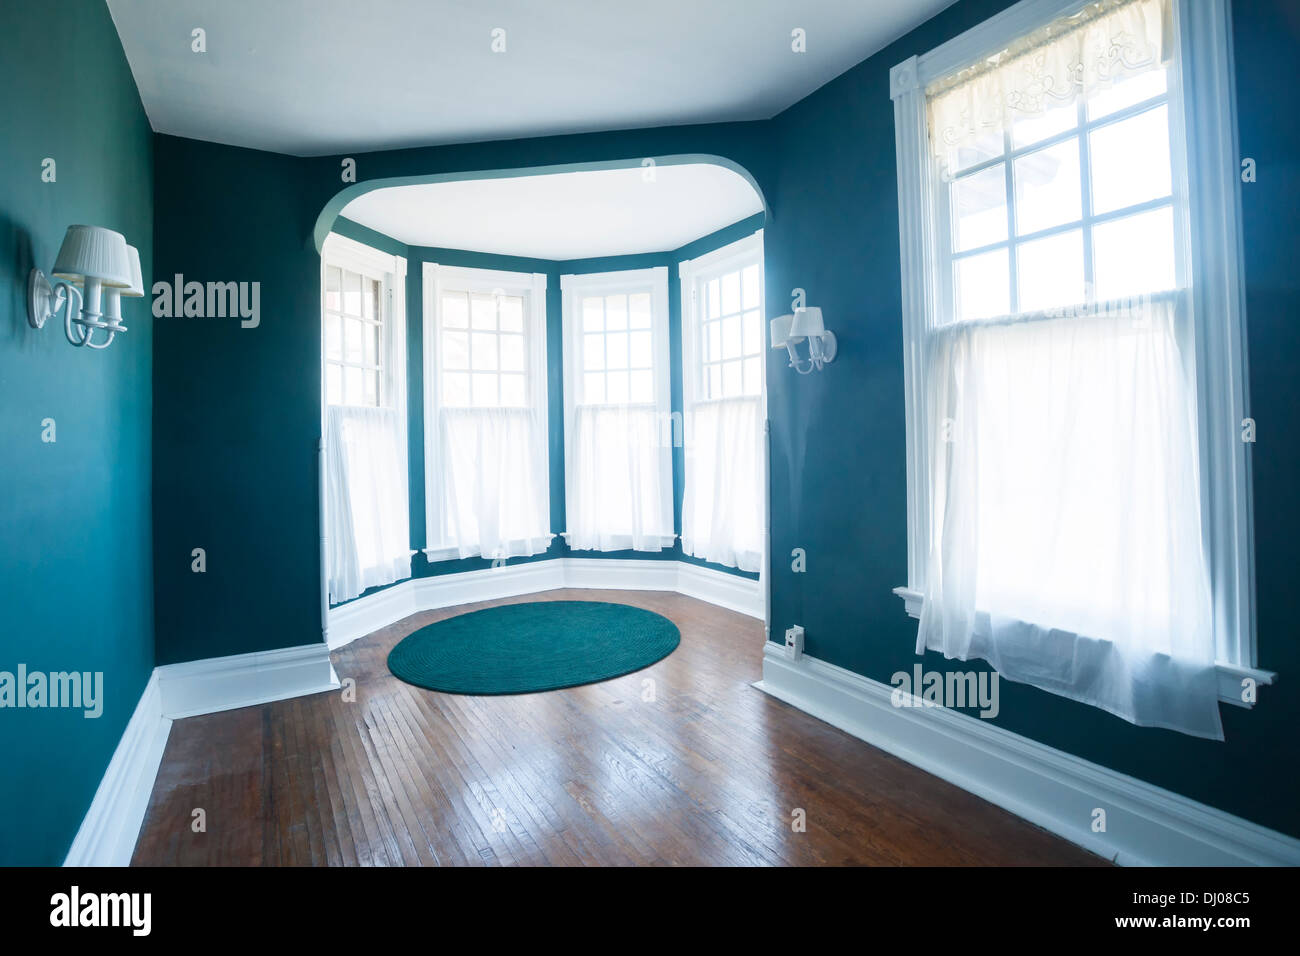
243, 680
1145, 824
108, 831
366, 615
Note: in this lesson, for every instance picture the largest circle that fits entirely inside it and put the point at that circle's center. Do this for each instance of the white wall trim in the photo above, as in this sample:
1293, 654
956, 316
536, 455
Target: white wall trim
109, 829
243, 680
1145, 824
356, 619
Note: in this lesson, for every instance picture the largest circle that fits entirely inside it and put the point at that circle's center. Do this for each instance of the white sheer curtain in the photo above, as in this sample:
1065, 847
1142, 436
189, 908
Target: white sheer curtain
722, 506
617, 479
1073, 57
495, 482
1066, 545
367, 513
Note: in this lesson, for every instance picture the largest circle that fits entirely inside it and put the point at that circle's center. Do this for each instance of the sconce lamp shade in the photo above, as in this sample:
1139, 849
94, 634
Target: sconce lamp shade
807, 323
93, 252
136, 289
781, 336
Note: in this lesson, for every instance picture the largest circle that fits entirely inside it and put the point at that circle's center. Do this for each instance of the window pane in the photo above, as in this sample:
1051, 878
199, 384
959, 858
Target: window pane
351, 293
753, 333
983, 286
352, 341
333, 297
713, 300
616, 312
753, 375
593, 388
512, 353
616, 385
616, 349
512, 390
1130, 161
986, 146
643, 387
640, 355
455, 350
731, 379
512, 313
483, 351
731, 337
1050, 272
715, 381
455, 310
370, 388
593, 313
1134, 255
1032, 129
483, 311
1048, 188
715, 341
455, 388
352, 386
1127, 92
749, 287
333, 385
370, 344
730, 293
484, 389
333, 337
369, 298
979, 204
593, 352
639, 310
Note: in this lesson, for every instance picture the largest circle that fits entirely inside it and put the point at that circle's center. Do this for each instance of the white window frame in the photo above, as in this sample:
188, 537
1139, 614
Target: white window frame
695, 272
1201, 82
532, 287
574, 287
390, 270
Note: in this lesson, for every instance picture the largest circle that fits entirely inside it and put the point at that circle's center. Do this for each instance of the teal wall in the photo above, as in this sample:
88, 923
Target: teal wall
76, 567
238, 417
416, 256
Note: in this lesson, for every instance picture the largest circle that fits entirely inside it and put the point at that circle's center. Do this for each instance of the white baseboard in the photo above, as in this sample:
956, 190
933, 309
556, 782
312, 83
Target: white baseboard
108, 831
1145, 824
242, 680
366, 615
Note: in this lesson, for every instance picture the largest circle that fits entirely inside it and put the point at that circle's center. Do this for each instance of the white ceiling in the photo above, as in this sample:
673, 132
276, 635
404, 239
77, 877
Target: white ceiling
575, 215
317, 77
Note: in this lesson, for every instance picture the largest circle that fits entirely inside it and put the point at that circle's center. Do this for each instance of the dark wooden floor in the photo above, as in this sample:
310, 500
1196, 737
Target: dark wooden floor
708, 772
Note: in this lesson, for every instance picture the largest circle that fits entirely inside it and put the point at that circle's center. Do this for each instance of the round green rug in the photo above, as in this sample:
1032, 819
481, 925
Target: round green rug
525, 648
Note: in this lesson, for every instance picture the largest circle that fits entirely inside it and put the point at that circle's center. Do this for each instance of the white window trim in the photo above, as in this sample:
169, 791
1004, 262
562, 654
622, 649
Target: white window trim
532, 286
745, 251
655, 281
1208, 100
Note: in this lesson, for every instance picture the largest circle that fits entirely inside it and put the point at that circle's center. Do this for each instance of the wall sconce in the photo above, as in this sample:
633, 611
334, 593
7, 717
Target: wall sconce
790, 330
96, 267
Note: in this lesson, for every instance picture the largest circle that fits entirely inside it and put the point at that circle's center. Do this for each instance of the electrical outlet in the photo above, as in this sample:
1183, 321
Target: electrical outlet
794, 642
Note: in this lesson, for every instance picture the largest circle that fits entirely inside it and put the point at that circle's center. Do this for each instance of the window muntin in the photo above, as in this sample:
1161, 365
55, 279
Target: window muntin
355, 339
617, 355
1071, 207
483, 358
729, 334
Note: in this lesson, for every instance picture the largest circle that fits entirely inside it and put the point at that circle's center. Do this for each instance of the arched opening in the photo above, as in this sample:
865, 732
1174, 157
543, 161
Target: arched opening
582, 348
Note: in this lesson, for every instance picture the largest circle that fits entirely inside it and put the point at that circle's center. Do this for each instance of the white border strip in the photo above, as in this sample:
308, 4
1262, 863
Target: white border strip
1145, 824
356, 619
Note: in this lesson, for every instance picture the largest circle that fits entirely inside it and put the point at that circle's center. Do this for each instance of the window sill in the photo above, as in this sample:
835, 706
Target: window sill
532, 545
1230, 675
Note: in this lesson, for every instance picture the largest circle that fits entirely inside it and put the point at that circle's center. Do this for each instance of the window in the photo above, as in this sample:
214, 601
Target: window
1077, 506
354, 338
487, 487
723, 503
618, 429
363, 348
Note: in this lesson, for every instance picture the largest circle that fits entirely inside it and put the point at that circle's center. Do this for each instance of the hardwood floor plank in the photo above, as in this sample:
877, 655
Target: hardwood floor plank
704, 771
